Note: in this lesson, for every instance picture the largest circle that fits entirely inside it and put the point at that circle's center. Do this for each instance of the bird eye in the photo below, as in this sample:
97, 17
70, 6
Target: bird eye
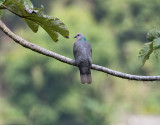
78, 35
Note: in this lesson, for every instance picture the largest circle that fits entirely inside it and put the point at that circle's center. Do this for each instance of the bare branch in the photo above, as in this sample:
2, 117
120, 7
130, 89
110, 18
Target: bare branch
64, 59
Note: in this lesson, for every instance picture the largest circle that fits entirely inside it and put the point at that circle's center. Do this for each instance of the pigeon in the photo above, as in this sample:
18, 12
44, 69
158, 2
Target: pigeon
82, 52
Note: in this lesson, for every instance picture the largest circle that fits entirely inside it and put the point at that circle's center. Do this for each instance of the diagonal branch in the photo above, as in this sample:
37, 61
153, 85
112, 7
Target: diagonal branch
64, 59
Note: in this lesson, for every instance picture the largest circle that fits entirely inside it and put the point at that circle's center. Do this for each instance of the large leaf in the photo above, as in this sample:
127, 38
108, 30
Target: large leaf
29, 7
153, 34
34, 26
156, 47
51, 32
35, 17
28, 3
145, 52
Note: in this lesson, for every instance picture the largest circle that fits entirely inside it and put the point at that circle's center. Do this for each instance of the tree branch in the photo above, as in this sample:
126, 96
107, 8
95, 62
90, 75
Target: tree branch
64, 59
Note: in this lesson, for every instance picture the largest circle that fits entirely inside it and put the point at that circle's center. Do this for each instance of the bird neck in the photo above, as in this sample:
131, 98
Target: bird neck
83, 39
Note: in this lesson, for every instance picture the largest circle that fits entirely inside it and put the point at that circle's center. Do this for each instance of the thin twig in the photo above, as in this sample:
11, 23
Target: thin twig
64, 59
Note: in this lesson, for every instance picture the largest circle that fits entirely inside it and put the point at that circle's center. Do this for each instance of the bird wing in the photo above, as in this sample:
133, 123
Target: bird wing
75, 50
82, 52
89, 52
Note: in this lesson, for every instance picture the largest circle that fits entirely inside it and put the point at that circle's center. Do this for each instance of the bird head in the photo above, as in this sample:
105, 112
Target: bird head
80, 37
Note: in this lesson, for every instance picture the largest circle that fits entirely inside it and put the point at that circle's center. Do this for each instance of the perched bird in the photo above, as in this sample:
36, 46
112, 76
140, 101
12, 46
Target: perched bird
82, 52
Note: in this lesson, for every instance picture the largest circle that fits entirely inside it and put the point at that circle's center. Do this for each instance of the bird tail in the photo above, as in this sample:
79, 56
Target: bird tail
85, 74
86, 78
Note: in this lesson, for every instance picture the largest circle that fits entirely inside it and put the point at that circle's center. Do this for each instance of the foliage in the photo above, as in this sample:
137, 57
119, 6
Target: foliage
35, 17
145, 52
154, 46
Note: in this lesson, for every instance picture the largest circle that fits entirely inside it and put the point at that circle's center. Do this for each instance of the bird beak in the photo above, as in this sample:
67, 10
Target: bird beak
75, 37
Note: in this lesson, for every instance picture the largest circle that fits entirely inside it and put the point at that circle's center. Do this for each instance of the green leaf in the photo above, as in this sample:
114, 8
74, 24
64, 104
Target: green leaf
48, 23
52, 33
145, 52
35, 17
28, 3
152, 34
156, 47
34, 26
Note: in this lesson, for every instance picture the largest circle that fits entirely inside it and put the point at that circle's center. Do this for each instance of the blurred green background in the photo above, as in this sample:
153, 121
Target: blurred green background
38, 90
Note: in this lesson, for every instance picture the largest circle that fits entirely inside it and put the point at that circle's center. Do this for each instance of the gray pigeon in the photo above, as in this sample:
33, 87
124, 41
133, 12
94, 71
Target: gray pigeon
83, 57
